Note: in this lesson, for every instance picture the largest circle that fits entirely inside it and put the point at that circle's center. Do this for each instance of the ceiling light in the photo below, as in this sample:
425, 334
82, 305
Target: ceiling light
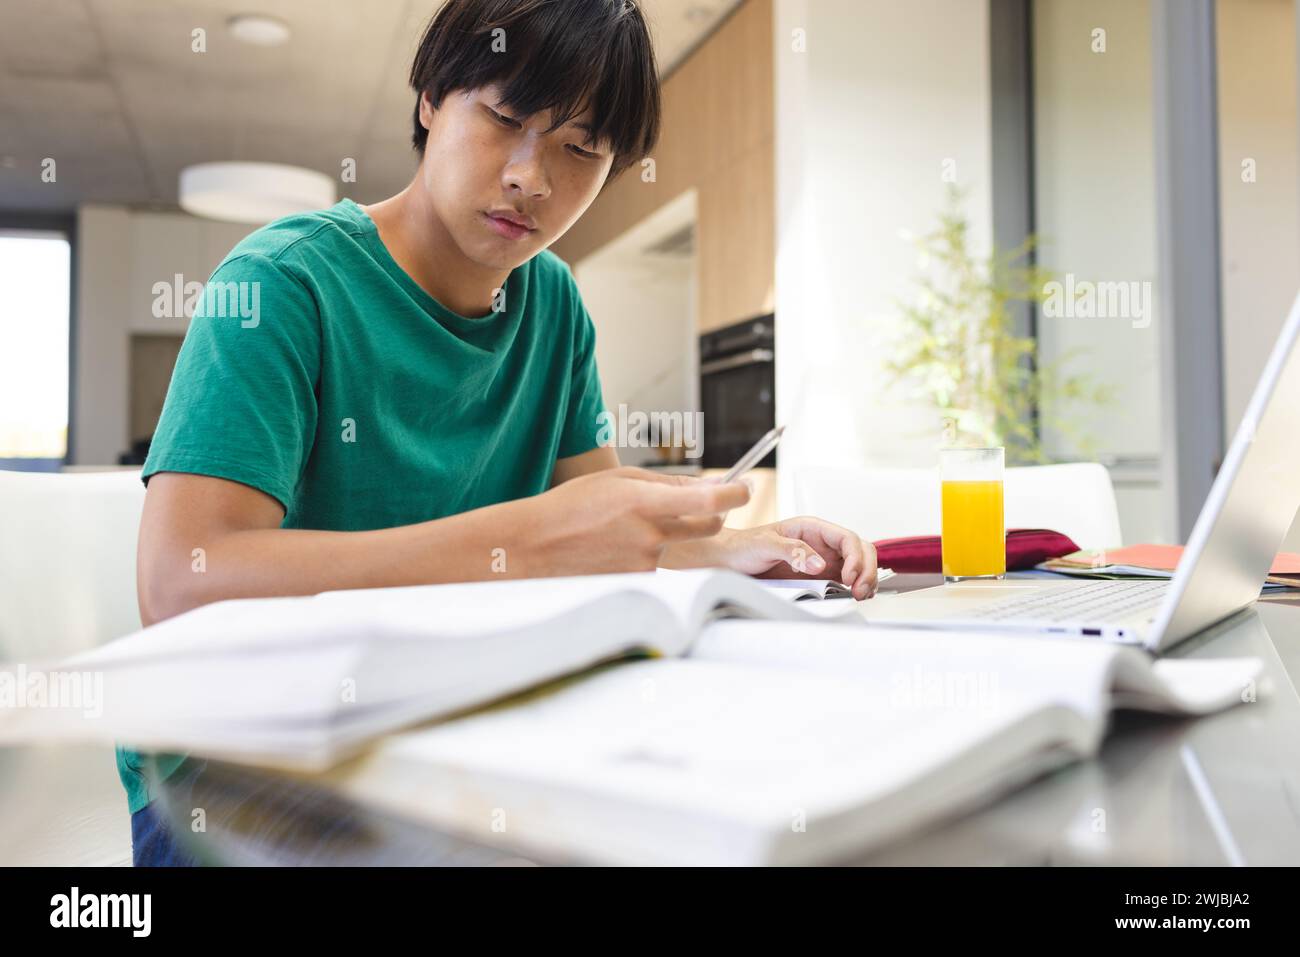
252, 192
258, 29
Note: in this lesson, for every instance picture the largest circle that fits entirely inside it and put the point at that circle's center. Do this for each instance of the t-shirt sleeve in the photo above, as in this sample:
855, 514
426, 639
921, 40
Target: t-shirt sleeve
581, 419
242, 399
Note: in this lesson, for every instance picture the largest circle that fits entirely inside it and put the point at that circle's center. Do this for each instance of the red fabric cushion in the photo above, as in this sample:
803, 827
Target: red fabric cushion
922, 554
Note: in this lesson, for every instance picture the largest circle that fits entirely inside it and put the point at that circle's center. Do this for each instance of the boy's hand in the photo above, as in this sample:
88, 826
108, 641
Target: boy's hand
620, 520
801, 547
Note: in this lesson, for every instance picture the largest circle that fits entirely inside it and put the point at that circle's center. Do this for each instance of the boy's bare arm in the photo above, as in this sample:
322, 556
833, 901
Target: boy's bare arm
204, 539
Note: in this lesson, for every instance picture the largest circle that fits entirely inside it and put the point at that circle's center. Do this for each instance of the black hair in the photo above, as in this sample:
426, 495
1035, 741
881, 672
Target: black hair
560, 55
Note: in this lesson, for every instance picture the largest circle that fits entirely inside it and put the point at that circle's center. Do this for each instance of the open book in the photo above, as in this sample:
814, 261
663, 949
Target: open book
773, 743
780, 739
300, 683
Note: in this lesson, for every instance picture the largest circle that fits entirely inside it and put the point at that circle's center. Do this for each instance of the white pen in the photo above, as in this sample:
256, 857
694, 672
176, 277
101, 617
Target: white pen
755, 455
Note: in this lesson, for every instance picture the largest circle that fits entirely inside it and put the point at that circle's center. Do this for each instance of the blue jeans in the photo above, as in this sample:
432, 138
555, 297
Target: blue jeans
152, 841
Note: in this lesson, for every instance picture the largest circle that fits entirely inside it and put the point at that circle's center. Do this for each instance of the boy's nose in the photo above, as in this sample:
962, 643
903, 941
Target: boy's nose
526, 173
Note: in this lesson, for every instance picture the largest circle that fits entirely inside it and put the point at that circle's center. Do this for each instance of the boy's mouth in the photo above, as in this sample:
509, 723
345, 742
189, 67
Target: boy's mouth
509, 225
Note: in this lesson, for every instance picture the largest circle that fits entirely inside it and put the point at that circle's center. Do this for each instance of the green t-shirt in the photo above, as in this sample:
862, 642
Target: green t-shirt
316, 370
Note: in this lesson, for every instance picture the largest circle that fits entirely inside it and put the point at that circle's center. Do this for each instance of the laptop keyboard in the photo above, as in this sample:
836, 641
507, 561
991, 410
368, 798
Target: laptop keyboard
1095, 601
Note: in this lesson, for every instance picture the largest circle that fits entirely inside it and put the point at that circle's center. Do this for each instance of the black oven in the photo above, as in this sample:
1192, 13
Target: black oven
737, 384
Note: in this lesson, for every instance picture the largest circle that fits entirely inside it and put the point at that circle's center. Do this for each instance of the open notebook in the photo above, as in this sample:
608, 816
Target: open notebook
804, 589
303, 682
773, 743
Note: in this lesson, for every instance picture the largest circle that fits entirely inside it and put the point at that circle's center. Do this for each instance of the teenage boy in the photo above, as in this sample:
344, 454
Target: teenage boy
418, 387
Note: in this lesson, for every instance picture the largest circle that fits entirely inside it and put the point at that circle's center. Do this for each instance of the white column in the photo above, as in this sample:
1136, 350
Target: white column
868, 111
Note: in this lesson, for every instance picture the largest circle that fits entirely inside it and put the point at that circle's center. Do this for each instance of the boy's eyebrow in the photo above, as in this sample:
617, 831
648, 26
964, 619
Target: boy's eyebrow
586, 128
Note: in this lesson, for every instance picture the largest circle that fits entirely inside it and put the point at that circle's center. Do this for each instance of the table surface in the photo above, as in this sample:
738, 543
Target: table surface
1220, 790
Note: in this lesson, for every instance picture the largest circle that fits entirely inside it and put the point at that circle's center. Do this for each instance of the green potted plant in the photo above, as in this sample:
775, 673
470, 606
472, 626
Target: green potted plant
958, 347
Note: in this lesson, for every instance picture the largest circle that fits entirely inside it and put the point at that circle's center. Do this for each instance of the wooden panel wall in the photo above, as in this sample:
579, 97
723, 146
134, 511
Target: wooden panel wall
717, 138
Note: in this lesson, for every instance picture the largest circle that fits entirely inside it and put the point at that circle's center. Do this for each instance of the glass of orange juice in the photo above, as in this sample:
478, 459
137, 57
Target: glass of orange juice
974, 536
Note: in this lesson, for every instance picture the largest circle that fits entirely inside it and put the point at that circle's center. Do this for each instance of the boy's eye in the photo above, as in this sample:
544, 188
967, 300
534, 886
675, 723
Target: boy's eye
503, 119
585, 154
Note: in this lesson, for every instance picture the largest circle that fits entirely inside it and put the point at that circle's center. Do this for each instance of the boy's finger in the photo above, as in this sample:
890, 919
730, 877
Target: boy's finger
799, 555
679, 528
662, 478
696, 499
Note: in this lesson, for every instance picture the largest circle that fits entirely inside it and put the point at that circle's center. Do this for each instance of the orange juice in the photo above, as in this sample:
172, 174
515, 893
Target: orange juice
974, 540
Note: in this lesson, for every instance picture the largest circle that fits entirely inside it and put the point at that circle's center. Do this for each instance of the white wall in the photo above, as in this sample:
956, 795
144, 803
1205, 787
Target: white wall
121, 254
643, 307
1260, 220
1260, 231
883, 93
100, 391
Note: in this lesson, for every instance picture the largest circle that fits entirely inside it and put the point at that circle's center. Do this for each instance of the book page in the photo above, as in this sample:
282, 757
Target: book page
950, 665
446, 612
334, 663
1090, 677
739, 741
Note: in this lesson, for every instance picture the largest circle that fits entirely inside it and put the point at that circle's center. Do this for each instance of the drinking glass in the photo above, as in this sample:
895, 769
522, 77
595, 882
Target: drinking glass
974, 535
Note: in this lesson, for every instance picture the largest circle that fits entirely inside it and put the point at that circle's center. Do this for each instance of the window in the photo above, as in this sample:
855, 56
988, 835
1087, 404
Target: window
35, 286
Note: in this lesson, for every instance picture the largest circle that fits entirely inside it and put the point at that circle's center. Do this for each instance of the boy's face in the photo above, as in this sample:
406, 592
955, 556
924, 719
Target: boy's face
484, 167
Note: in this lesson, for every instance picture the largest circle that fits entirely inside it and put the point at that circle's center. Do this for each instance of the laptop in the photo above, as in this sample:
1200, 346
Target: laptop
1242, 525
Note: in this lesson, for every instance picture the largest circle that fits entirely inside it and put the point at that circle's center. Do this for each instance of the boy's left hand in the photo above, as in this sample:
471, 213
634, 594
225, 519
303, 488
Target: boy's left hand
802, 547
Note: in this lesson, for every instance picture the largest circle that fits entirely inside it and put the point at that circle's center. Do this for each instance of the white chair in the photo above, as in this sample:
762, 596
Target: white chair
1076, 499
67, 584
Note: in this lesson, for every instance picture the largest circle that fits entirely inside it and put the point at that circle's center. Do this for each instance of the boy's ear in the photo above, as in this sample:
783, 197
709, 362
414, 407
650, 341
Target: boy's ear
427, 109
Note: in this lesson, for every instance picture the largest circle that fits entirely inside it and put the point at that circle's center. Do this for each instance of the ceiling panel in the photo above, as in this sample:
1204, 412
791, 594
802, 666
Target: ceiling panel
49, 38
114, 92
